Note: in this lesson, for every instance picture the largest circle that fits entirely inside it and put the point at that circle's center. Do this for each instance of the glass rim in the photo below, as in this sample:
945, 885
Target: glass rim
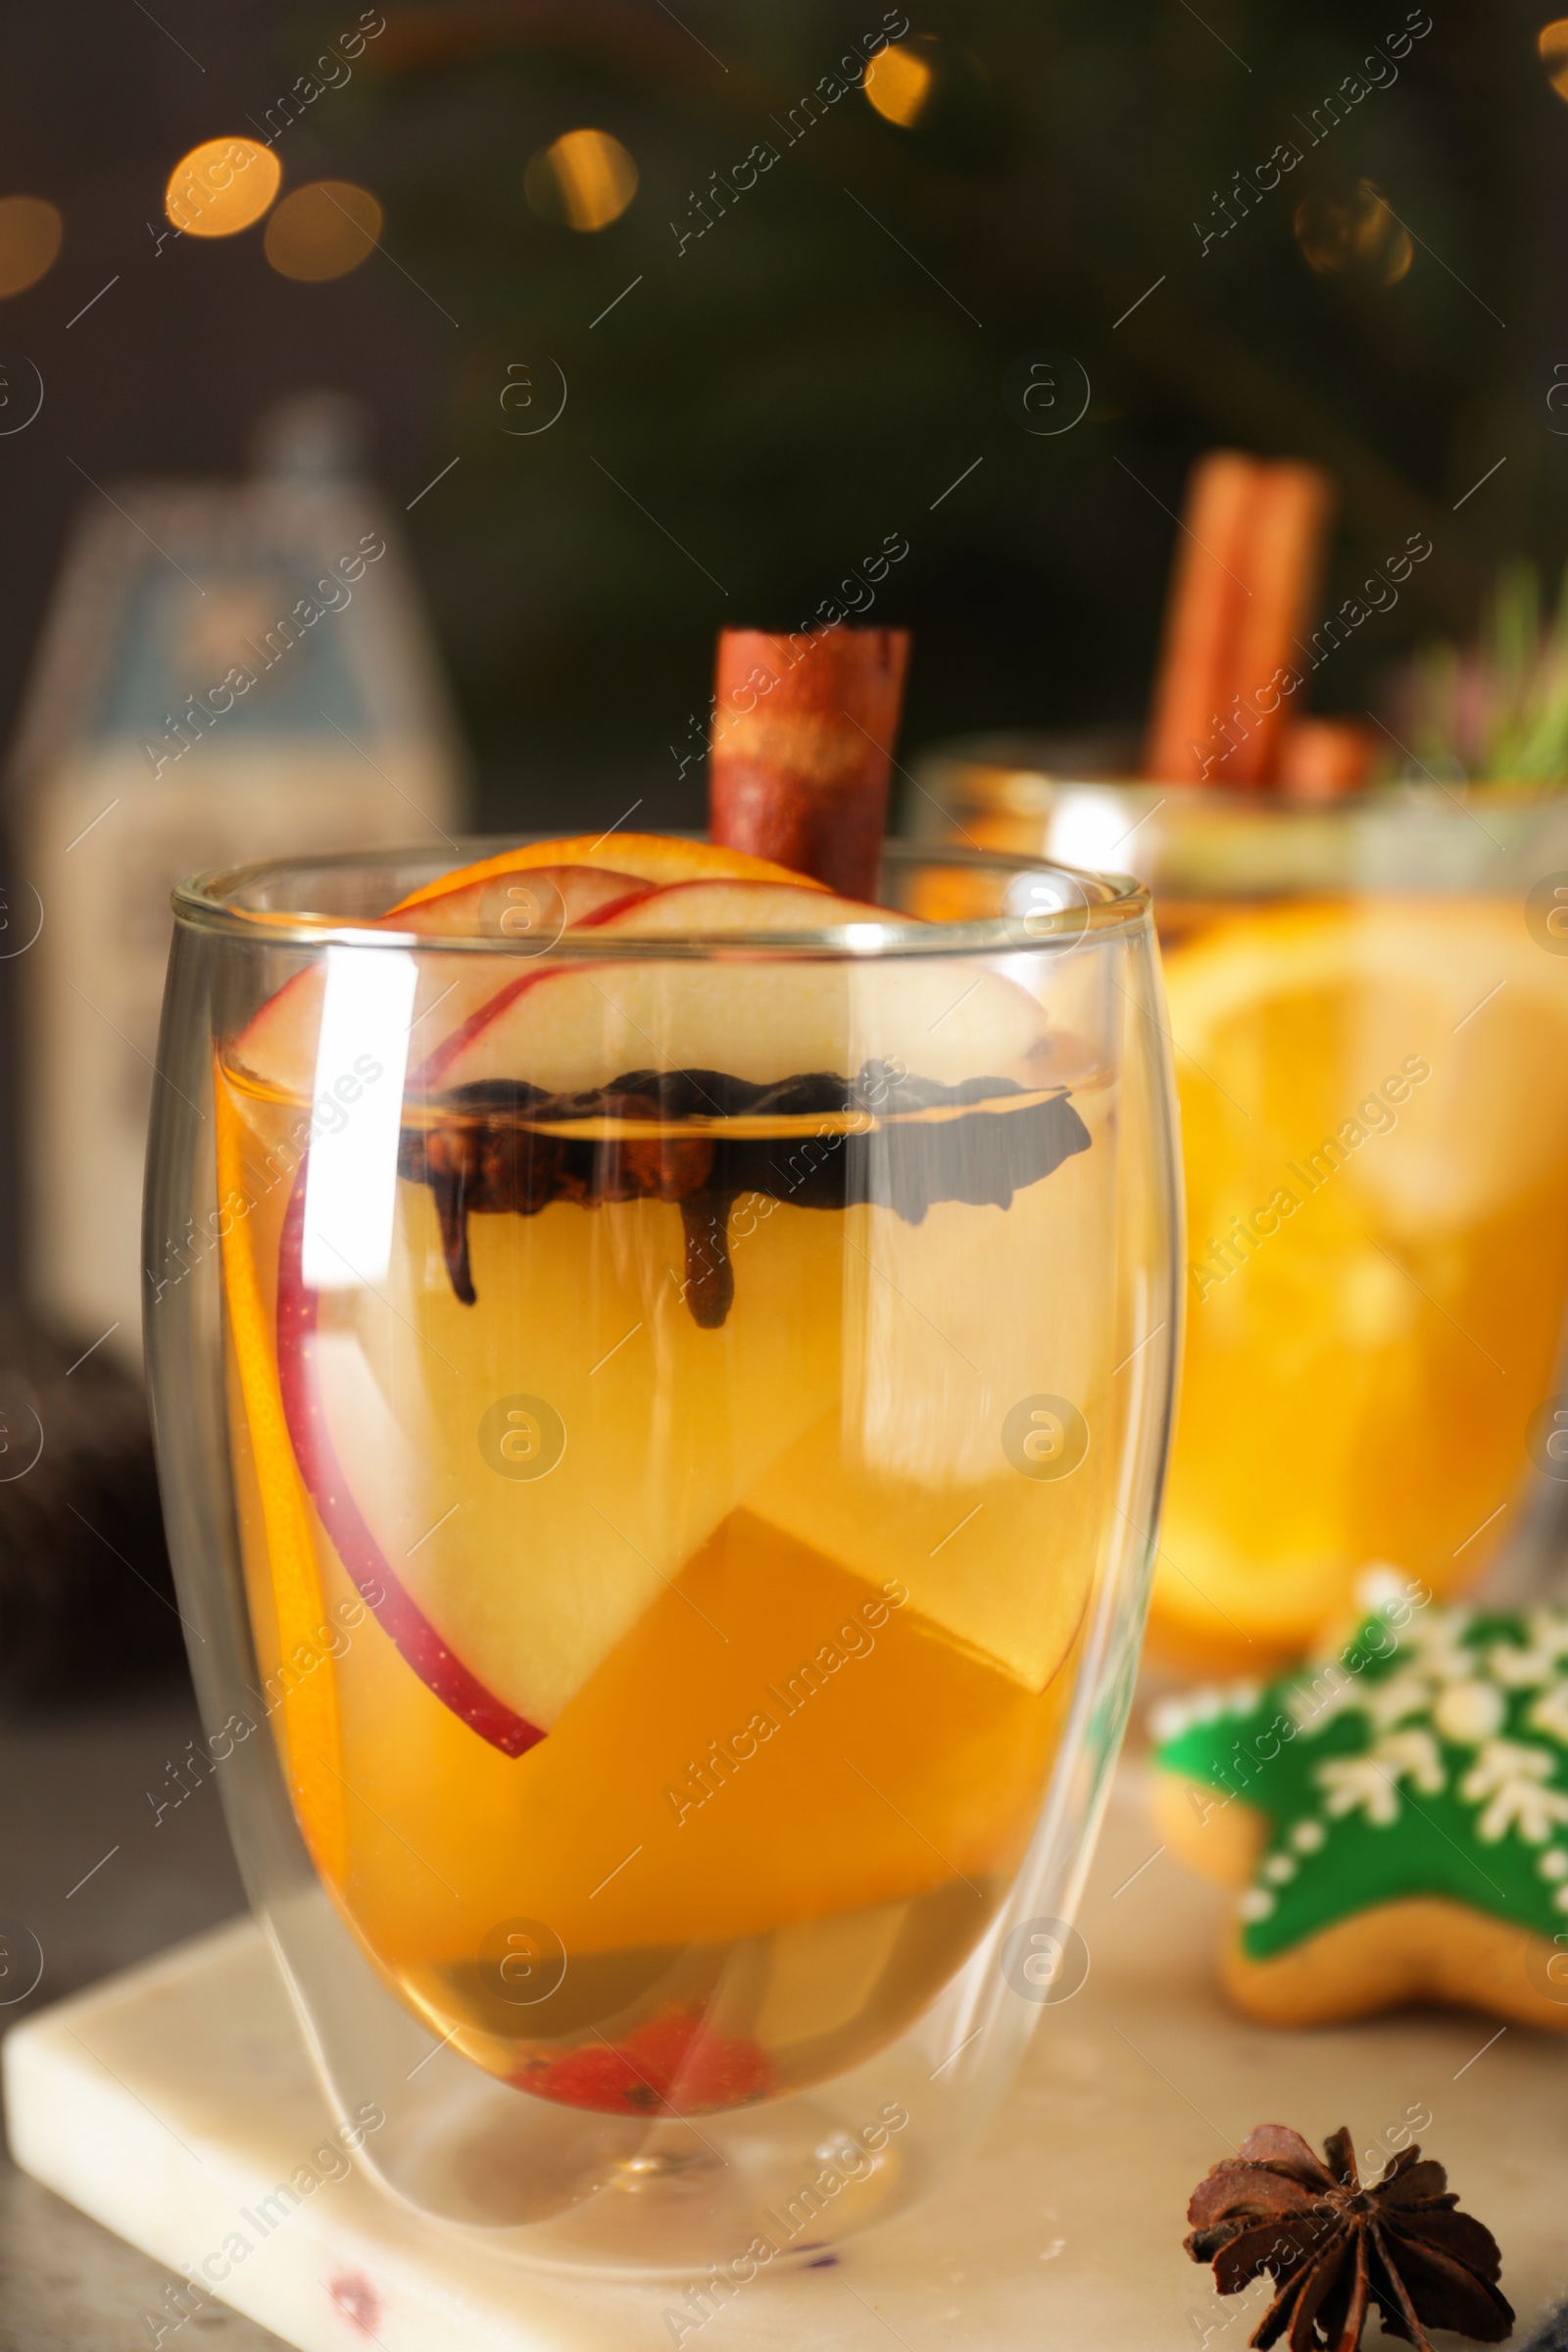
1111, 904
999, 761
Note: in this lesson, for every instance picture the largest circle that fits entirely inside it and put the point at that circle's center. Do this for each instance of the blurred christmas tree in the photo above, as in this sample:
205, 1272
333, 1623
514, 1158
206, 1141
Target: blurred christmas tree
786, 306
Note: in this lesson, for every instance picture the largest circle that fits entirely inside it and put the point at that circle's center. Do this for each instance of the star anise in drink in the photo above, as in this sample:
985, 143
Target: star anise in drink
1335, 2248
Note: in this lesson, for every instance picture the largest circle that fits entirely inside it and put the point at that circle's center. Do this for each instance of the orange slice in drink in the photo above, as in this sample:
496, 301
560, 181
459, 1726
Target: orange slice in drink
649, 856
1374, 1121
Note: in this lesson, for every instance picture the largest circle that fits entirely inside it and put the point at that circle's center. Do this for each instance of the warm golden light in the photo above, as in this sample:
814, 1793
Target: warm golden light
323, 230
30, 230
898, 82
1358, 234
585, 180
1552, 43
222, 187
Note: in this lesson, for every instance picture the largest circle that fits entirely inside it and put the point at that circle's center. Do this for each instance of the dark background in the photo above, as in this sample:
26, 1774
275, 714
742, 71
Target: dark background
805, 378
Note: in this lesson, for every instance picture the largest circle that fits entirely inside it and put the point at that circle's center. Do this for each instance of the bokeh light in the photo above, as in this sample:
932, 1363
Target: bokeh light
222, 186
584, 180
1552, 43
1356, 234
899, 82
323, 230
30, 230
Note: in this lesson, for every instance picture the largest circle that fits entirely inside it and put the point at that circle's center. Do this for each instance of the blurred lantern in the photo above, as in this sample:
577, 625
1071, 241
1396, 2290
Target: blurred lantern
899, 81
1552, 43
323, 230
222, 187
1354, 234
30, 230
228, 671
585, 180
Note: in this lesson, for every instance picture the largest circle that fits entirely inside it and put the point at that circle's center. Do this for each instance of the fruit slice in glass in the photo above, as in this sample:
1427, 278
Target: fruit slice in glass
1375, 1116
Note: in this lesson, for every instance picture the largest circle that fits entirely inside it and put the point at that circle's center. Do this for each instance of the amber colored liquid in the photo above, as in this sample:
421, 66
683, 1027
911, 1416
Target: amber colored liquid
801, 1640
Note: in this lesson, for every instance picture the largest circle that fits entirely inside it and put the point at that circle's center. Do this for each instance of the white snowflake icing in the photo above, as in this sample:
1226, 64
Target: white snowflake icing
1333, 1690
1462, 1690
1469, 1712
1440, 1648
1549, 1713
1548, 1628
1370, 1782
1439, 1674
1439, 1628
1388, 1702
1512, 1777
1521, 1669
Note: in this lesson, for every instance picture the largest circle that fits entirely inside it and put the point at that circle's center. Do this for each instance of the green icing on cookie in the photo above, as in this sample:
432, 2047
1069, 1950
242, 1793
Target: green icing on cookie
1427, 1760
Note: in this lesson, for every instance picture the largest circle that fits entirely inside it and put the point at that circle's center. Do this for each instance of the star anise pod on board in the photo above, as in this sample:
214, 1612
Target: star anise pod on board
1335, 2248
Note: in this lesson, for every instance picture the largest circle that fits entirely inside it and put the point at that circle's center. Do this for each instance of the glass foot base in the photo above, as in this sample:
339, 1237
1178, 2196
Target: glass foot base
731, 2196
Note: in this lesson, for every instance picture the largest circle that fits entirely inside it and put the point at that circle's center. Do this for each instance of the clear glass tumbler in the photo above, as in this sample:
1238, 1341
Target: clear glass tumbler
661, 1441
1369, 1008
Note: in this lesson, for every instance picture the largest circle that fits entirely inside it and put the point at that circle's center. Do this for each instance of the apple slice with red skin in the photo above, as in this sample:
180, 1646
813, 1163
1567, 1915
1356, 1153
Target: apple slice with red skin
279, 1045
564, 1029
699, 909
718, 908
270, 1043
396, 1611
572, 882
580, 891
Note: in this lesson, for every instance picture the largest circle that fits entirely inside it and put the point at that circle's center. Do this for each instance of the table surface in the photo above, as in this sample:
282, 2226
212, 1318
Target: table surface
1074, 2216
76, 1796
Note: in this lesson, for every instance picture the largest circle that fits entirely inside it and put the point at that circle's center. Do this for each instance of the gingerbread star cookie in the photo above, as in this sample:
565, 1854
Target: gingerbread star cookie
1395, 1815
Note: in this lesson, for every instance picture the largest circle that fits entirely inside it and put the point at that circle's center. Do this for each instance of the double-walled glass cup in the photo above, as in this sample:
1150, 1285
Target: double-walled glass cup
661, 1441
1369, 1008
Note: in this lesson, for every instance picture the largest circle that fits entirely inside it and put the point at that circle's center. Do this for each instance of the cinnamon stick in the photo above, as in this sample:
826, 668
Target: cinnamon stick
1321, 758
1282, 561
801, 748
1247, 571
1207, 591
